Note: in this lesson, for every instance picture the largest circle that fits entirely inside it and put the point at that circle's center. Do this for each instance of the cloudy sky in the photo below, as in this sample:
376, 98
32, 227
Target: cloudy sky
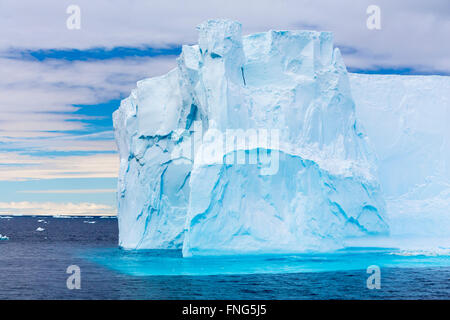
59, 87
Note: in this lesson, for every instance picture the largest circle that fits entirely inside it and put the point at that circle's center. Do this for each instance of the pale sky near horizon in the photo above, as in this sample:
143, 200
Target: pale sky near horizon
59, 87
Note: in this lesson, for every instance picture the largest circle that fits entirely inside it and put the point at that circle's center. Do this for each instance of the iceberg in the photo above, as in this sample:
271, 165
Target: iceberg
250, 145
3, 237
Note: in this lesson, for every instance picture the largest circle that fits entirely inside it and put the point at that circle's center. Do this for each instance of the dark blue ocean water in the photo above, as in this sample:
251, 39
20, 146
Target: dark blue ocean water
33, 266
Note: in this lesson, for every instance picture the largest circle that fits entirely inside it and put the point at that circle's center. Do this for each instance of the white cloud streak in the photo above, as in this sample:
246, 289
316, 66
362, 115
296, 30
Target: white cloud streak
73, 191
54, 208
17, 167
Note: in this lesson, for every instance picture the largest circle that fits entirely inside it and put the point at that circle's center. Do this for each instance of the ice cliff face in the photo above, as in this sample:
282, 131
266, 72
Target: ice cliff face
250, 145
407, 120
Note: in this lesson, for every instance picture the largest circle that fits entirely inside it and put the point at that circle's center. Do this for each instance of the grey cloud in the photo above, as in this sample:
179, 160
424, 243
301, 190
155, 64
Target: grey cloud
414, 32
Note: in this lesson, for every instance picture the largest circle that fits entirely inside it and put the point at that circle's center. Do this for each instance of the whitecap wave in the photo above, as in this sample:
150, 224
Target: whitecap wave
4, 237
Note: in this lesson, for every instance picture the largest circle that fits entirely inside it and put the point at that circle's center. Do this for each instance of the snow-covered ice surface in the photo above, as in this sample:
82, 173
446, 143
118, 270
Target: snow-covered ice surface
330, 160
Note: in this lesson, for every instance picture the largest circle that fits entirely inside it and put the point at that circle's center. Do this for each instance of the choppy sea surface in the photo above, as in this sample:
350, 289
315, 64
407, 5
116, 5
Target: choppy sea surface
35, 258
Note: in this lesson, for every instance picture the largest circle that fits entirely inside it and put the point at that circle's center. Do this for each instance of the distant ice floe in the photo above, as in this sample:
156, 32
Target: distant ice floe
72, 217
410, 245
428, 253
39, 229
91, 222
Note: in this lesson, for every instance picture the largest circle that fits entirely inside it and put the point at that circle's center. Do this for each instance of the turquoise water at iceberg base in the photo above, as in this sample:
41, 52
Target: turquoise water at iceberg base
171, 262
33, 266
